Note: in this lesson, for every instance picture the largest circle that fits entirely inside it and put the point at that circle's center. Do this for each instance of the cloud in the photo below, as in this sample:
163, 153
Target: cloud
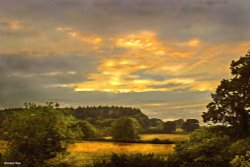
156, 55
83, 37
127, 71
191, 43
12, 24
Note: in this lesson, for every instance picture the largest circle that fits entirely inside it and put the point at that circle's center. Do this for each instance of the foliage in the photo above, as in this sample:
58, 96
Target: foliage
98, 115
124, 129
190, 125
77, 159
224, 130
134, 160
162, 137
155, 122
204, 148
37, 133
231, 101
87, 130
102, 118
169, 127
158, 141
179, 123
240, 147
241, 160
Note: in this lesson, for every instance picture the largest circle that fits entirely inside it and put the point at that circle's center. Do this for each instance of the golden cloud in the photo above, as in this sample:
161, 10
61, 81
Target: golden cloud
84, 37
145, 54
148, 41
190, 106
191, 43
205, 85
13, 24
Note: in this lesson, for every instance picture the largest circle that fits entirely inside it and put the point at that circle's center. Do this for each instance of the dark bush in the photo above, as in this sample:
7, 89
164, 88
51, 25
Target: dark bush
133, 160
204, 149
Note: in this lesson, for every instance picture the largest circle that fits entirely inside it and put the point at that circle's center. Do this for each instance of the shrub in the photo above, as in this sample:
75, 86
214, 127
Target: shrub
203, 149
241, 160
239, 147
86, 129
37, 134
133, 160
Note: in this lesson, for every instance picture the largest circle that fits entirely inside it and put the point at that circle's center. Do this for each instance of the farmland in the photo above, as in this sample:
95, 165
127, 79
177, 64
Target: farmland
86, 152
162, 137
115, 147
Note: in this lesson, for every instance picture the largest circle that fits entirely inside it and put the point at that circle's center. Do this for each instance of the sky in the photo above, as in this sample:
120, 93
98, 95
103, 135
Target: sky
165, 57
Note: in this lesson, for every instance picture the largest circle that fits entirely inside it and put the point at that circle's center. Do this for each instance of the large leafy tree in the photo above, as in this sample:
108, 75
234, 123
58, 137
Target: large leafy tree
190, 125
86, 129
231, 101
124, 129
38, 133
169, 127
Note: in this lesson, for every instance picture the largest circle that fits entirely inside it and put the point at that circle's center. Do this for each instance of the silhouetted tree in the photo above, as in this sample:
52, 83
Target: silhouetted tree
169, 127
124, 129
191, 125
179, 123
231, 101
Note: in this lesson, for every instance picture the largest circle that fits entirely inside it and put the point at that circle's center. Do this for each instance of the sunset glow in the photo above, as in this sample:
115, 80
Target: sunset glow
120, 53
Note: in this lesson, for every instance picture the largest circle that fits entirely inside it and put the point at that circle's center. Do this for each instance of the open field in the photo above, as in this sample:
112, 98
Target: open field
115, 147
171, 137
86, 152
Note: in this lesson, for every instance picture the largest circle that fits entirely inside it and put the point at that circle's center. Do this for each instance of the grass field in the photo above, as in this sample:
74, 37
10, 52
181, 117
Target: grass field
109, 147
85, 153
171, 137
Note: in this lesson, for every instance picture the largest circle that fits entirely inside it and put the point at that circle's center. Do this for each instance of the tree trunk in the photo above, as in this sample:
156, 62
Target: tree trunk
244, 123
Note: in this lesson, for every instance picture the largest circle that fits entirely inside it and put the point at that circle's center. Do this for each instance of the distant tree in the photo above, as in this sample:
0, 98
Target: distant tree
124, 129
155, 122
231, 101
169, 127
179, 123
86, 129
191, 125
137, 125
37, 133
98, 116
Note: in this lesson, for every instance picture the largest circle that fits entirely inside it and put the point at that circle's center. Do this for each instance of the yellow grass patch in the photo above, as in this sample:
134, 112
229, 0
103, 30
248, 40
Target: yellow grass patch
112, 147
3, 147
86, 152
